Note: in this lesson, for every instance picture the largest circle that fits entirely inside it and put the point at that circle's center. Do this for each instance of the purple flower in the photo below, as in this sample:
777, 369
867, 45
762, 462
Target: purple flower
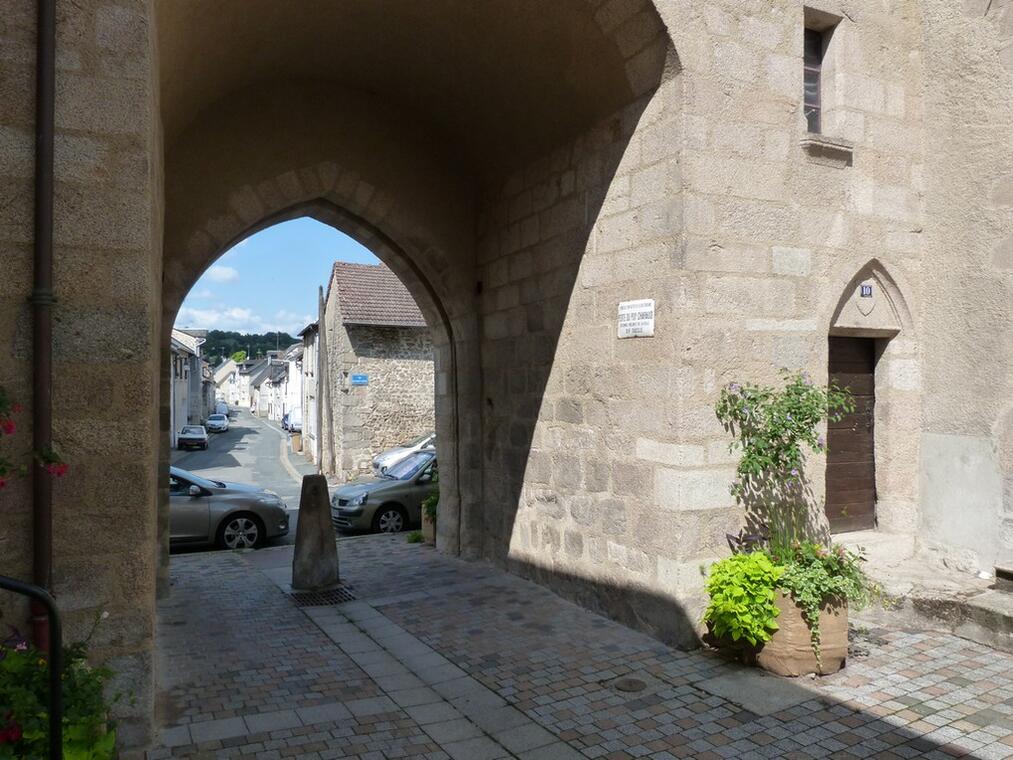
821, 442
794, 472
734, 387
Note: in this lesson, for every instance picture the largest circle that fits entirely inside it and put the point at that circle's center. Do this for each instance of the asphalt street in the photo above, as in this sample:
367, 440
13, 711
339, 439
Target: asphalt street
253, 451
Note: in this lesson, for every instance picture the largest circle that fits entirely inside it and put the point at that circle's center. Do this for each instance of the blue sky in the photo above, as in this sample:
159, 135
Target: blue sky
269, 281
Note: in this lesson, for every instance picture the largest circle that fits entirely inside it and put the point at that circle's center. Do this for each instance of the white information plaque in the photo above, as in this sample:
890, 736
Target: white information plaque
636, 319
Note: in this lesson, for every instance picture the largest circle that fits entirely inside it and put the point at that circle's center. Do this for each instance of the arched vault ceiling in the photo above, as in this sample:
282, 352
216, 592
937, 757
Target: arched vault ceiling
504, 79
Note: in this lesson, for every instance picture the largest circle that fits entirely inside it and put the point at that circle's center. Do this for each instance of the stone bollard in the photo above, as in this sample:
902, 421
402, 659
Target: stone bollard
315, 562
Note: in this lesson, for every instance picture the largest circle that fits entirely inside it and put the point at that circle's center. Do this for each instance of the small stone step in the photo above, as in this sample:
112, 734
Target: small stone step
1004, 578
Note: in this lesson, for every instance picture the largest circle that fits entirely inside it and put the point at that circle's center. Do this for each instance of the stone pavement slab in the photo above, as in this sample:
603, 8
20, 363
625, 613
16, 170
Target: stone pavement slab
503, 668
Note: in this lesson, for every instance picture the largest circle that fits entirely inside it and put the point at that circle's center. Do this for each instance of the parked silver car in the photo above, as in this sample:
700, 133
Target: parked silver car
390, 502
217, 423
392, 456
231, 515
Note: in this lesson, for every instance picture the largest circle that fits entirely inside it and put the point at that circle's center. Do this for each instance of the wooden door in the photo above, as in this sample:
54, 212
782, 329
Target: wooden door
851, 461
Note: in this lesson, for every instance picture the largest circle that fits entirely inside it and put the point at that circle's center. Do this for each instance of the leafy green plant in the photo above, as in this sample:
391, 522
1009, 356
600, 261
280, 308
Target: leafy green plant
430, 505
88, 733
741, 589
773, 427
815, 576
415, 537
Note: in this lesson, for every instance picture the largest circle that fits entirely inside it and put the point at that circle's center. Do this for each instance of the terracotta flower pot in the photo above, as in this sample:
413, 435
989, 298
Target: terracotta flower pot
790, 652
428, 530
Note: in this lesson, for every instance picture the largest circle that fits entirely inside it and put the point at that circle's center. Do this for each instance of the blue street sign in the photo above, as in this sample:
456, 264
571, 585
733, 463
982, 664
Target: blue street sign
360, 379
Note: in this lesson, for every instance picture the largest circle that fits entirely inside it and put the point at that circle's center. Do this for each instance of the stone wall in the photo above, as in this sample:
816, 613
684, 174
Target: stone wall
397, 403
106, 324
593, 464
704, 198
967, 439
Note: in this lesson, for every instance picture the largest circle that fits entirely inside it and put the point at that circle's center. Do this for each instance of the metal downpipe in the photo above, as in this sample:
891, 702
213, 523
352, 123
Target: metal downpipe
42, 319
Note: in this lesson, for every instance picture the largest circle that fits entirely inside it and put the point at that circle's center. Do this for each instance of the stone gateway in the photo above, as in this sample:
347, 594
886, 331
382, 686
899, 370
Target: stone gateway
522, 168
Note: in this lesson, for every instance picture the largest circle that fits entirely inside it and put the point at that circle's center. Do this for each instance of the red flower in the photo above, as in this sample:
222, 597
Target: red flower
16, 409
8, 426
57, 469
12, 733
3, 482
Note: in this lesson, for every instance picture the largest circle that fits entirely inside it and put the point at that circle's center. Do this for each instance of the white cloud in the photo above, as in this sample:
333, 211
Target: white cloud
205, 293
219, 273
241, 320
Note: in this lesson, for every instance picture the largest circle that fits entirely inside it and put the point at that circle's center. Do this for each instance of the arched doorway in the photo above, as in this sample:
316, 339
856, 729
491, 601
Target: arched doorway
437, 319
872, 462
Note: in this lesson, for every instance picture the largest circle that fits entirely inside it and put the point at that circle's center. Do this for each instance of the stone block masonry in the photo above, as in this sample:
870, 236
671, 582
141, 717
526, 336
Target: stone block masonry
658, 152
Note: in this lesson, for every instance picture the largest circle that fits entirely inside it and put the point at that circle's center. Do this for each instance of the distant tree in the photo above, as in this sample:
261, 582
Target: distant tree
222, 344
238, 356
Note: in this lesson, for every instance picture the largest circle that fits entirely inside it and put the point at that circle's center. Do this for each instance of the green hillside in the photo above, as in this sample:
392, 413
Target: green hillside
221, 344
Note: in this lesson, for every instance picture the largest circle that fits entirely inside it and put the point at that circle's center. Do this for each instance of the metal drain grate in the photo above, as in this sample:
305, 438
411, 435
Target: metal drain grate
629, 684
327, 598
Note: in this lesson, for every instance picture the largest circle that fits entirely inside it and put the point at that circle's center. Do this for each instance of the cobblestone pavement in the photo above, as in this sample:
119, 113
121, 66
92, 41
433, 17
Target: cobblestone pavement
440, 658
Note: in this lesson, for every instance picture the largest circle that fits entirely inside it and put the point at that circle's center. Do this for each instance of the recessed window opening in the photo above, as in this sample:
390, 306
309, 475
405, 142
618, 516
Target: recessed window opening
818, 68
812, 74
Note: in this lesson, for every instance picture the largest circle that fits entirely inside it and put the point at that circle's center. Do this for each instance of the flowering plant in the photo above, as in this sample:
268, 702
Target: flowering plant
772, 427
51, 461
815, 575
24, 696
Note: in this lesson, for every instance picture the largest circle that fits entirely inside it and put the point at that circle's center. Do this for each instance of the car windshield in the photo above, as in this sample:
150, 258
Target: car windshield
192, 430
417, 441
408, 467
216, 418
196, 480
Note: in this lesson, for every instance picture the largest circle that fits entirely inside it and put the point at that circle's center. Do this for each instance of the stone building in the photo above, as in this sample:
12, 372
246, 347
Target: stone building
183, 360
310, 384
525, 168
379, 366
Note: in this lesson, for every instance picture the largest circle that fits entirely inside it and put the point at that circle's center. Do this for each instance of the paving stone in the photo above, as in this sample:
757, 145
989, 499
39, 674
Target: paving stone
479, 748
452, 730
371, 706
433, 713
212, 730
422, 695
272, 721
175, 736
498, 719
522, 738
503, 651
334, 711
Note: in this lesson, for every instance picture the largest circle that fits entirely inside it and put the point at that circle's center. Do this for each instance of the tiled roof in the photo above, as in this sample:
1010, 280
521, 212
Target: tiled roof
371, 294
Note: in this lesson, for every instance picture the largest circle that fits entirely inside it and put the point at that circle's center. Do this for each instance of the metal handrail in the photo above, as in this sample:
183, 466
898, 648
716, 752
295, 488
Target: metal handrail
55, 659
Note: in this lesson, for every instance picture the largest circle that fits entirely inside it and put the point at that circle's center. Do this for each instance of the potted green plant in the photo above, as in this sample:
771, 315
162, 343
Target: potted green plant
794, 611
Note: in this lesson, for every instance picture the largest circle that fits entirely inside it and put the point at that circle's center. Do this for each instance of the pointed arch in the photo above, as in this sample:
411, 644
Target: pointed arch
882, 311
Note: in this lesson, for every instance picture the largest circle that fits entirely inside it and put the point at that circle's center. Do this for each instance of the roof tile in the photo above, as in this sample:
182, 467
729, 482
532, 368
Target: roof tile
371, 294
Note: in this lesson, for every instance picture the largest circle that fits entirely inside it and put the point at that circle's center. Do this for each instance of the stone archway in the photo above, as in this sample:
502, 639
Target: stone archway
319, 194
474, 157
871, 316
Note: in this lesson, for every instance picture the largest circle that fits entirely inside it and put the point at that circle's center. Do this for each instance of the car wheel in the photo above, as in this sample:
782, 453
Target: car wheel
390, 518
241, 531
